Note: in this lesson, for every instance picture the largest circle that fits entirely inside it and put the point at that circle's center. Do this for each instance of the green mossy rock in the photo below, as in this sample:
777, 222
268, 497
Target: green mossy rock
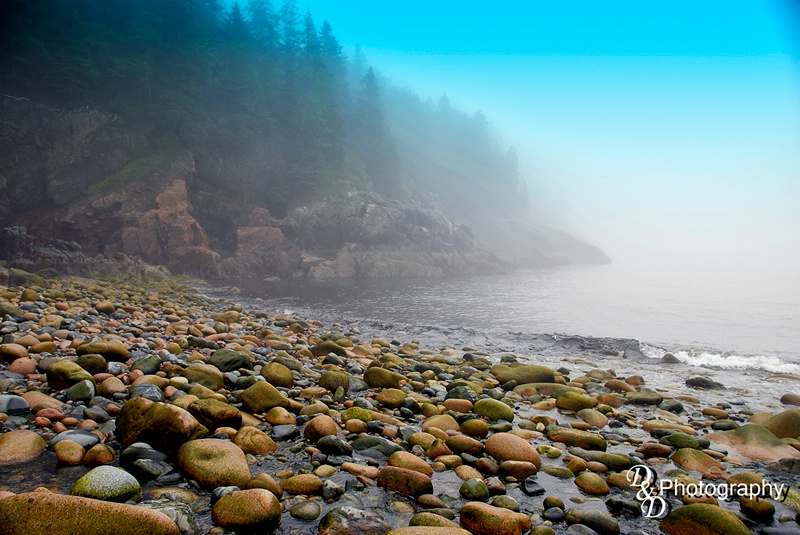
493, 409
204, 374
164, 427
107, 483
64, 373
110, 350
785, 424
228, 360
703, 519
523, 373
278, 375
328, 346
262, 397
333, 380
382, 378
573, 401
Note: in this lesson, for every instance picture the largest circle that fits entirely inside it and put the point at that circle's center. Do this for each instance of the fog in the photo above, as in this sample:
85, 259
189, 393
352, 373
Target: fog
667, 134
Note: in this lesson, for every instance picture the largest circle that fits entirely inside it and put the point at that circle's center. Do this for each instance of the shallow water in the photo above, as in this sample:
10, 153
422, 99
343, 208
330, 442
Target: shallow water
721, 319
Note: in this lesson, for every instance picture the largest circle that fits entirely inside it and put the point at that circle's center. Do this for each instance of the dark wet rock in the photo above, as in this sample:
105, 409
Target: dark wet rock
553, 514
13, 405
462, 392
148, 469
602, 523
65, 373
285, 432
680, 440
164, 427
140, 450
227, 360
180, 513
334, 445
531, 487
352, 521
147, 391
148, 365
705, 383
672, 405
620, 506
373, 446
79, 436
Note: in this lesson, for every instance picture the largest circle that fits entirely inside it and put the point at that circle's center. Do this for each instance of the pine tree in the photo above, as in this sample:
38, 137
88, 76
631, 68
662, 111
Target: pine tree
263, 23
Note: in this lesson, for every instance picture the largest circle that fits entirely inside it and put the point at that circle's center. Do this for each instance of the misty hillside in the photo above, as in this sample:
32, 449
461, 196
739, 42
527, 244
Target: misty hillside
273, 113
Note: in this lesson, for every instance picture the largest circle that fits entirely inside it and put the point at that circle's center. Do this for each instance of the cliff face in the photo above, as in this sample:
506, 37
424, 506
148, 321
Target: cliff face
79, 175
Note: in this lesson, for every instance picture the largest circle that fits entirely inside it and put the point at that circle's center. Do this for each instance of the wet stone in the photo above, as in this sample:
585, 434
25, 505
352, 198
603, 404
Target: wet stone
80, 436
13, 405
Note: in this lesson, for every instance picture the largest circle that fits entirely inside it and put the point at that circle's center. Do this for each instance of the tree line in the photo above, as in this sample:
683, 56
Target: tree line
264, 96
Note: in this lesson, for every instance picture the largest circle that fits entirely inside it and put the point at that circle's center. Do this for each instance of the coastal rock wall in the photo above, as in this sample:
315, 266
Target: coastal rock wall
80, 176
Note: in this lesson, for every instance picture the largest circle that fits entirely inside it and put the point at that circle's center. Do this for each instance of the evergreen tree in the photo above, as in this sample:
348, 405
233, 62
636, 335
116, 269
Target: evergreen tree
311, 44
263, 22
289, 34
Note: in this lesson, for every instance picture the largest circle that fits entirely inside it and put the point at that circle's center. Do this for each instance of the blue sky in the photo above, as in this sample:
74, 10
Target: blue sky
663, 128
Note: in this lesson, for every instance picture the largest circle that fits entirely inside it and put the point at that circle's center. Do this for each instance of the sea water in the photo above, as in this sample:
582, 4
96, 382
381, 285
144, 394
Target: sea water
721, 319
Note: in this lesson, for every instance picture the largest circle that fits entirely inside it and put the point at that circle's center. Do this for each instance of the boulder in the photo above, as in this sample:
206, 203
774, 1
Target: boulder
213, 413
254, 441
262, 397
333, 380
404, 481
207, 375
785, 424
348, 520
42, 512
64, 373
493, 409
247, 510
382, 378
278, 375
755, 442
111, 350
107, 483
508, 447
228, 360
522, 373
165, 427
484, 519
320, 426
703, 519
694, 459
214, 463
19, 446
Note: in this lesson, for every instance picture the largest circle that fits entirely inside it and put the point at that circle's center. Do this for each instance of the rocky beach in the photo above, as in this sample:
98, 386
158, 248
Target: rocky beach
141, 405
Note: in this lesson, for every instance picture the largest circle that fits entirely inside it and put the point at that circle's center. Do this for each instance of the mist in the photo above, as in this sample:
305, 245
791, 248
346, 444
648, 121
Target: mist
667, 135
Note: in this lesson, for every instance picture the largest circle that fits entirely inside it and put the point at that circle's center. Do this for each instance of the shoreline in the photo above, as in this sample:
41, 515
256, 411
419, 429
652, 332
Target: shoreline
397, 443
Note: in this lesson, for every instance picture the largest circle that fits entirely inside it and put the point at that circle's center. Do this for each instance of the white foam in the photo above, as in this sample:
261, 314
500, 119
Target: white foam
711, 359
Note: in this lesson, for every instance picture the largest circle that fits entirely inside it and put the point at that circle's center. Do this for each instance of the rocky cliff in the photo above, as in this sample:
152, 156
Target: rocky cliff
81, 176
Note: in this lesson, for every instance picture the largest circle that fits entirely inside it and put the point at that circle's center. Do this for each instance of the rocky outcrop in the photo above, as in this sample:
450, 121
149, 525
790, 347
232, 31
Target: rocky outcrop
359, 235
75, 184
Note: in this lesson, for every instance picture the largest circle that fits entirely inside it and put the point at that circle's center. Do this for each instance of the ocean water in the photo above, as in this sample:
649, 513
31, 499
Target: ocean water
717, 319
